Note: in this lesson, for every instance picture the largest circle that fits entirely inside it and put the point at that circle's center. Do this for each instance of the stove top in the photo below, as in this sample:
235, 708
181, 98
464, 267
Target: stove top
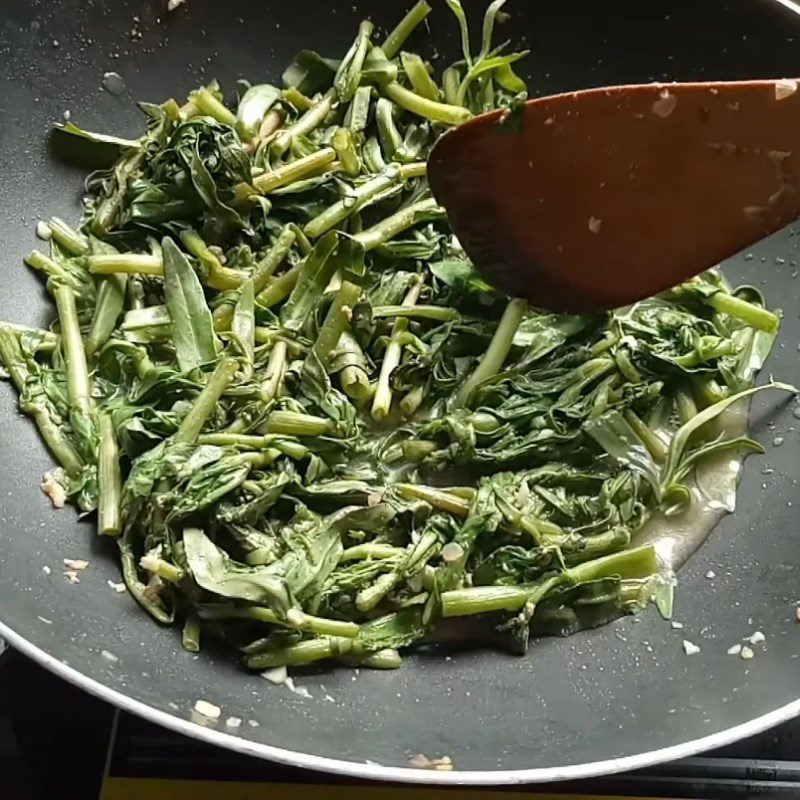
59, 742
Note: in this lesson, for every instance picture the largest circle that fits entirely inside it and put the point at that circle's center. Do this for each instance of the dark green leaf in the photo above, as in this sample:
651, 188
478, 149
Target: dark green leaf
216, 572
309, 73
192, 324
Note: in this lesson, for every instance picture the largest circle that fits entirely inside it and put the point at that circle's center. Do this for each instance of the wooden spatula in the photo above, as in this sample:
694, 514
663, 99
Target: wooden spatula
591, 200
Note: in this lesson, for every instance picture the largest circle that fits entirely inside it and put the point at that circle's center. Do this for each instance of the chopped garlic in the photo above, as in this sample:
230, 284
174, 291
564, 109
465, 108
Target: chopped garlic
711, 574
54, 490
207, 709
735, 650
72, 576
665, 104
757, 638
294, 616
677, 625
785, 88
747, 653
451, 552
595, 224
119, 588
779, 156
151, 560
233, 722
301, 691
173, 4
753, 212
218, 252
689, 648
77, 564
277, 675
443, 764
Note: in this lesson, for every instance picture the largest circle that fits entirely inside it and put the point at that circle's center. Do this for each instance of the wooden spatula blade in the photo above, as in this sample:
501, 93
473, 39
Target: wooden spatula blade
606, 196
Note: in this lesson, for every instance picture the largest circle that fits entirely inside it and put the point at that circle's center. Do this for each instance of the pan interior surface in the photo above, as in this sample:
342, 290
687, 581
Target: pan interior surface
614, 698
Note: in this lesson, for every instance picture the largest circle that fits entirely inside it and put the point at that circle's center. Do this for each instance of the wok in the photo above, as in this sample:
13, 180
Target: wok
612, 699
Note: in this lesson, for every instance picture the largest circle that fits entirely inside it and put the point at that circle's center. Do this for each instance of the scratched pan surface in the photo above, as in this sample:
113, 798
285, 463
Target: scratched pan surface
615, 698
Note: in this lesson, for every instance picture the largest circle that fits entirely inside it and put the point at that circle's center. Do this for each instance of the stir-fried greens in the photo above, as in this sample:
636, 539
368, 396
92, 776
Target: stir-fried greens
313, 428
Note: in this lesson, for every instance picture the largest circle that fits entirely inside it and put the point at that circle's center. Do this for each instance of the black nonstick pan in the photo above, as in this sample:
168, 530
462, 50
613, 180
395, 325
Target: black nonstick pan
616, 698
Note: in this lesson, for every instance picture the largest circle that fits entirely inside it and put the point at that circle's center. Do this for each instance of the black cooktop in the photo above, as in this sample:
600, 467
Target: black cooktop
59, 742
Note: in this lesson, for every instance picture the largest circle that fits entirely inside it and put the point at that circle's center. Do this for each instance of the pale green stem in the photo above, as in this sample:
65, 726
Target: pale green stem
206, 401
421, 106
417, 73
305, 652
293, 423
382, 401
42, 263
78, 386
275, 371
749, 313
296, 619
263, 272
439, 313
53, 435
388, 228
68, 239
210, 106
126, 263
280, 288
109, 480
307, 123
360, 198
289, 173
438, 498
336, 321
495, 355
488, 599
216, 275
346, 152
397, 37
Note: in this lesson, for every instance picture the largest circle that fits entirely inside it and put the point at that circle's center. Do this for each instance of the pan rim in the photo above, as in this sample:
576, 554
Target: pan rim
408, 775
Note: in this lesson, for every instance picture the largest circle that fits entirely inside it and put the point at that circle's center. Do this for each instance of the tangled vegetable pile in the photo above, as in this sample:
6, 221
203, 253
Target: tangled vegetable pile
314, 430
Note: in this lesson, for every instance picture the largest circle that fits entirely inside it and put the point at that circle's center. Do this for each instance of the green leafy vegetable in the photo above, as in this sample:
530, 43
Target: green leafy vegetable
253, 107
214, 571
192, 324
312, 427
